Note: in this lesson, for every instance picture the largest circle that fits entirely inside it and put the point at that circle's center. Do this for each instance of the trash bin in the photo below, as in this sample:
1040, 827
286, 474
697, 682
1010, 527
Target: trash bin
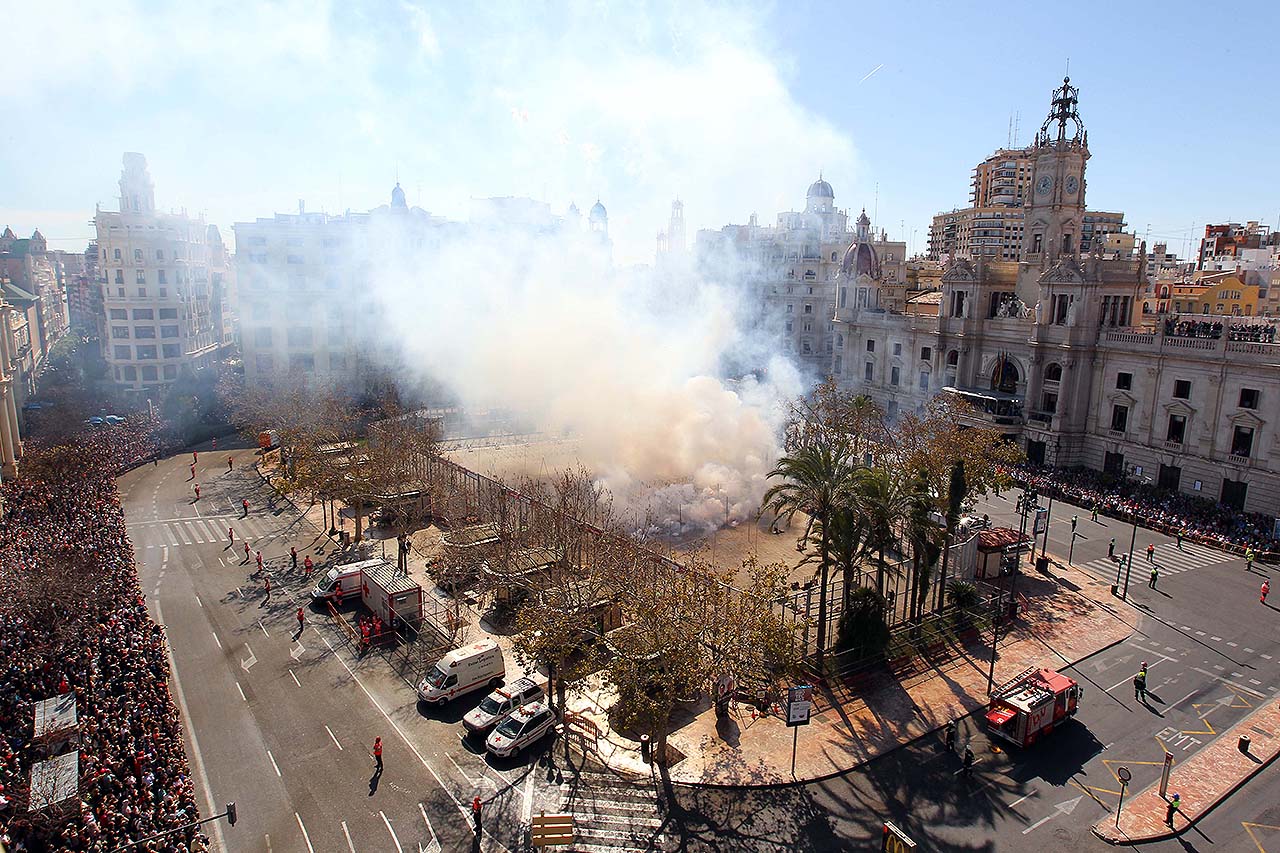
1042, 564
344, 538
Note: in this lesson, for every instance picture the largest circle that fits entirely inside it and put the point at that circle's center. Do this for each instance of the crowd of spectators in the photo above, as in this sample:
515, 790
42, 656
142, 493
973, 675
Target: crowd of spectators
1253, 332
1261, 333
73, 620
1199, 519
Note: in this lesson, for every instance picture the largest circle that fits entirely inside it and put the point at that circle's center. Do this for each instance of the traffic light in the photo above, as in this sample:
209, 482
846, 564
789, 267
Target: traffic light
231, 813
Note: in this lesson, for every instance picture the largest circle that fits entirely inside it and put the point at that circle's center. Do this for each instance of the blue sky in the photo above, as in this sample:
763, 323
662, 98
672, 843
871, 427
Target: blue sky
242, 110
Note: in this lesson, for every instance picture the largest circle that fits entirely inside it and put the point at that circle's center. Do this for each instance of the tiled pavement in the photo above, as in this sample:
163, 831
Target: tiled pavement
1202, 781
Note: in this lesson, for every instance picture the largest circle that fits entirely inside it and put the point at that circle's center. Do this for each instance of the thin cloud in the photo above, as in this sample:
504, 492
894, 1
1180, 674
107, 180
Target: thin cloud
872, 71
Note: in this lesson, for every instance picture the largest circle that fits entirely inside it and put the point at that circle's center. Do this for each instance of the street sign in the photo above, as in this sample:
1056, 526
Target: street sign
546, 830
1041, 521
799, 705
1164, 774
895, 840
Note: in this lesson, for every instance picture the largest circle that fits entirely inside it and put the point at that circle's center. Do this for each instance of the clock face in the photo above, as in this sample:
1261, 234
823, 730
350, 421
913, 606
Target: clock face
1044, 184
1072, 185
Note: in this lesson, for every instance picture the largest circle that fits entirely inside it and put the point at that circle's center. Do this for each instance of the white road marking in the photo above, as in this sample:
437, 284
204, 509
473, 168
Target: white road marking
1130, 678
1248, 650
465, 774
216, 640
1216, 639
295, 678
1185, 627
1183, 699
1266, 657
1199, 633
1255, 682
191, 737
264, 628
331, 735
466, 813
1232, 645
527, 814
399, 849
198, 602
305, 837
277, 767
1029, 794
431, 829
1060, 809
347, 835
1228, 681
241, 689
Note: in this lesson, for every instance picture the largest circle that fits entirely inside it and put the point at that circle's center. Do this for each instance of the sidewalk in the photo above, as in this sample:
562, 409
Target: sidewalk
1068, 616
1204, 780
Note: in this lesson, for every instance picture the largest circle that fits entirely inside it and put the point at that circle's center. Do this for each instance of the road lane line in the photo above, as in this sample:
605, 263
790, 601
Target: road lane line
305, 837
1026, 796
399, 849
1130, 678
465, 774
331, 736
295, 678
241, 689
431, 829
347, 835
216, 640
1216, 639
277, 767
198, 602
463, 810
264, 630
1249, 690
221, 842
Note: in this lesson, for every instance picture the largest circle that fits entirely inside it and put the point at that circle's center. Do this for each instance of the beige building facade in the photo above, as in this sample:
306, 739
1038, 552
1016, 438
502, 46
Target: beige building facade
1051, 350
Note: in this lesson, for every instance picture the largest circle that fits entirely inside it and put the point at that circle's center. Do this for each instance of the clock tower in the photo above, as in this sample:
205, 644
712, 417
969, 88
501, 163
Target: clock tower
1054, 215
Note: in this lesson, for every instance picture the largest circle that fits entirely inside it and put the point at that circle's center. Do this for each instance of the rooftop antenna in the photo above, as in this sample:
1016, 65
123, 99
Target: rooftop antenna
875, 208
1017, 126
1008, 139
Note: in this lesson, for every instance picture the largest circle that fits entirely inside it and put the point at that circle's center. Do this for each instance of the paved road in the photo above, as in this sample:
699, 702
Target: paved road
283, 723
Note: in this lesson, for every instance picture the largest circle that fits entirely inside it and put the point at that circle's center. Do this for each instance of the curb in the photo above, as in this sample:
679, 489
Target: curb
724, 786
1203, 813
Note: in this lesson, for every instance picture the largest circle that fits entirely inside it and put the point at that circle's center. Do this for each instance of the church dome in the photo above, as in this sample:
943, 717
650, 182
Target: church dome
860, 259
598, 212
397, 197
820, 189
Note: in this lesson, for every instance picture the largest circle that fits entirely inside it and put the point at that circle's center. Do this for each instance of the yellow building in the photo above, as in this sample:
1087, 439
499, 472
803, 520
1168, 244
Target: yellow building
1219, 293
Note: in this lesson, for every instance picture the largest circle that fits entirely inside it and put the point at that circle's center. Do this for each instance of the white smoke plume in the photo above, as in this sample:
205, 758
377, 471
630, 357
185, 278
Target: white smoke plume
629, 364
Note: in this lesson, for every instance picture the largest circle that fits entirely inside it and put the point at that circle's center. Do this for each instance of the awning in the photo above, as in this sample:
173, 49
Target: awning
1000, 716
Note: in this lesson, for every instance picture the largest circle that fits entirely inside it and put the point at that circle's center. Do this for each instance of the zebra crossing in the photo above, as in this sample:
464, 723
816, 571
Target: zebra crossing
1168, 558
612, 814
176, 532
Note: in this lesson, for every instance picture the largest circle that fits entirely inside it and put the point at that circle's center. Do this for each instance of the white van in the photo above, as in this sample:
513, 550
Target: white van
347, 577
473, 667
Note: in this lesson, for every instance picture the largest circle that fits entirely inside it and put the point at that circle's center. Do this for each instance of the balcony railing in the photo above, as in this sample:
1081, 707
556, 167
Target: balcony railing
1174, 445
1233, 459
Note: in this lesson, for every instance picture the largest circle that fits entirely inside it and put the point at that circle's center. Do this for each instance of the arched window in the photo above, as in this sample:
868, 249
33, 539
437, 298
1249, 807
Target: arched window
1053, 373
953, 358
1005, 376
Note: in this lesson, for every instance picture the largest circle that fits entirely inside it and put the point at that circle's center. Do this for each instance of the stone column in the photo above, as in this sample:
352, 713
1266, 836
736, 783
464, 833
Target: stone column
8, 458
12, 417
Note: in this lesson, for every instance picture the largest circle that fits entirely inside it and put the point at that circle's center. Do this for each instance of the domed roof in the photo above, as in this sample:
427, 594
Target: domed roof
860, 259
397, 197
820, 189
573, 209
598, 211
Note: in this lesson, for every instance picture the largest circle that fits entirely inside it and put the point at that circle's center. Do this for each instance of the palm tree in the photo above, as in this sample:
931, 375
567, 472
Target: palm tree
815, 481
923, 535
880, 501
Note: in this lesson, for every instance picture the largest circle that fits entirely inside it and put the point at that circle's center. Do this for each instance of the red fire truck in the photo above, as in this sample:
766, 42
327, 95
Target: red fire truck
1032, 704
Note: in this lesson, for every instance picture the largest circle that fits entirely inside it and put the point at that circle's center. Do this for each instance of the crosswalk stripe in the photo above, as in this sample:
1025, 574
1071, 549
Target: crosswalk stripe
170, 535
184, 533
213, 532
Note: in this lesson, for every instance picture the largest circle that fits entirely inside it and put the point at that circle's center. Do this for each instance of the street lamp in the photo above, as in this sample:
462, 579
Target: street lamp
1135, 473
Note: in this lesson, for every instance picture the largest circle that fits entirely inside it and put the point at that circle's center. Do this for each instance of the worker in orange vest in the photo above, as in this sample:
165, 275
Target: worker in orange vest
307, 565
377, 754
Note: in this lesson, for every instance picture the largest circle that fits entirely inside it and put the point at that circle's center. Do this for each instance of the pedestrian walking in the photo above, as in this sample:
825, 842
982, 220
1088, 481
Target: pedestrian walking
967, 768
247, 553
301, 621
245, 504
1140, 686
1174, 805
193, 471
1151, 552
1075, 519
197, 491
307, 565
231, 537
229, 458
377, 754
1095, 512
1179, 538
950, 735
258, 555
293, 556
155, 460
195, 457
1111, 549
1248, 556
1262, 593
1155, 574
476, 807
1143, 671
266, 586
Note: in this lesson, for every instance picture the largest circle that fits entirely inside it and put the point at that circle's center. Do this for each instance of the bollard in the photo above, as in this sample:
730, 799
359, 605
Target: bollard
646, 754
1243, 744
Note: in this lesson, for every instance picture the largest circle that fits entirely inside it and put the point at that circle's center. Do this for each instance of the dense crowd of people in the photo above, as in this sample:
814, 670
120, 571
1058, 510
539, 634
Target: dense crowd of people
1264, 333
73, 620
1198, 519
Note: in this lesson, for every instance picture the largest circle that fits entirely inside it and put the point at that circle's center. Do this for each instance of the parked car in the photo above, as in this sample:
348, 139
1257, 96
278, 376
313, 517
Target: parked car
522, 729
500, 704
465, 670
